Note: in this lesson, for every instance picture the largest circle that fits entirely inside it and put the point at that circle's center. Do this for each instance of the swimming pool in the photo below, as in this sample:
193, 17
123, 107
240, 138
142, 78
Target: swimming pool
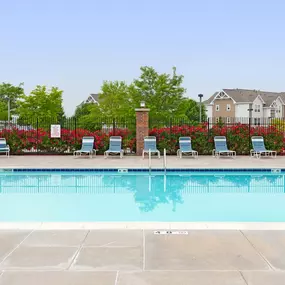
138, 196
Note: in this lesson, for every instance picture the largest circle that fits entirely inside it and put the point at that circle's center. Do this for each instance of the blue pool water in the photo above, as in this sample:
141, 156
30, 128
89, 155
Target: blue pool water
110, 196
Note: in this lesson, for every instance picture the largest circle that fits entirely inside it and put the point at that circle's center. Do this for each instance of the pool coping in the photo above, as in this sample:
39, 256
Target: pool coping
142, 225
129, 169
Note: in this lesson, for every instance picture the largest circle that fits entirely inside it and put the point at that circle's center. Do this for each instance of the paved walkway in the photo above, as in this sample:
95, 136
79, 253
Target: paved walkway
136, 257
138, 162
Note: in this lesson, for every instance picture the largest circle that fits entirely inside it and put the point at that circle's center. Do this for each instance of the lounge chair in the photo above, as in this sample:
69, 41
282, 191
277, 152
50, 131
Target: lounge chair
86, 148
221, 148
115, 147
4, 147
259, 149
185, 147
150, 146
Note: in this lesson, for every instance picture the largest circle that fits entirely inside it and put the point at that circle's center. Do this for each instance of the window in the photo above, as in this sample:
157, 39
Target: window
257, 121
228, 107
272, 113
228, 120
217, 108
257, 108
217, 120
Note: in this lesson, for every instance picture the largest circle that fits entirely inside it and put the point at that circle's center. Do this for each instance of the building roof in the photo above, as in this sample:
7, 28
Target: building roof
95, 96
245, 95
208, 101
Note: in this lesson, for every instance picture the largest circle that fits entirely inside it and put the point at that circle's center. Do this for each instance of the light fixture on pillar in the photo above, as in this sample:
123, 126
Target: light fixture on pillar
142, 104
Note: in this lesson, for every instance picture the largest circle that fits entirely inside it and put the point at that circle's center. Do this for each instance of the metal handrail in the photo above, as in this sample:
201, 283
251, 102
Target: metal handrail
164, 159
149, 160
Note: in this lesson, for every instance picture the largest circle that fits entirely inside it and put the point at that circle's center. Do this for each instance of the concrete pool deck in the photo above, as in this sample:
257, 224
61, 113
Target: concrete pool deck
131, 253
140, 257
38, 161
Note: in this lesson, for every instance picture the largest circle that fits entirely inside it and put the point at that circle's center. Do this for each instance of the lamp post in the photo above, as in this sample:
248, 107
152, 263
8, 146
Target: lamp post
142, 104
200, 97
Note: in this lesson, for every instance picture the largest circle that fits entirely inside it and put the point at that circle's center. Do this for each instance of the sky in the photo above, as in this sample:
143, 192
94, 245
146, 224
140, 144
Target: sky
76, 45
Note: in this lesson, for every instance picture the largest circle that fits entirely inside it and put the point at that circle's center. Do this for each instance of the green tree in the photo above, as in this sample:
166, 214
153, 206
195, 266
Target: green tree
116, 100
12, 93
83, 110
89, 117
42, 103
162, 93
192, 110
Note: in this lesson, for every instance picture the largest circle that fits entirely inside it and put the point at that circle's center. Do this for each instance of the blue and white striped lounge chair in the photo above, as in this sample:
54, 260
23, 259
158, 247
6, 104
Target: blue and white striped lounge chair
259, 149
221, 148
115, 147
4, 147
185, 147
150, 146
86, 148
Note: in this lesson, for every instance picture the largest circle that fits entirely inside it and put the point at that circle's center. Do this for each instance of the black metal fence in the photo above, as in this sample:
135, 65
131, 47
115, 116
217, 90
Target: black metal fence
238, 132
278, 123
97, 124
33, 135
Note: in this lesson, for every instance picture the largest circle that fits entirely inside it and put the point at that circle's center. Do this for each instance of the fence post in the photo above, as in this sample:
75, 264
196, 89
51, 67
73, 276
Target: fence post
114, 127
75, 129
37, 135
208, 127
249, 139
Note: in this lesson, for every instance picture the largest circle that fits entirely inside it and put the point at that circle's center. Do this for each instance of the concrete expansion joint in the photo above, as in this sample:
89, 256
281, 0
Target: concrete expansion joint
271, 267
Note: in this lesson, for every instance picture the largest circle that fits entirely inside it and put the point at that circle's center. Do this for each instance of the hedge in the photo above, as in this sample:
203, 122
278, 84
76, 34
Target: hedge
238, 138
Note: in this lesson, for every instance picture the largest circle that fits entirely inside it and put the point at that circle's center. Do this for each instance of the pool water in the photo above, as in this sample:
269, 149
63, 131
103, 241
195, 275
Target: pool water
138, 196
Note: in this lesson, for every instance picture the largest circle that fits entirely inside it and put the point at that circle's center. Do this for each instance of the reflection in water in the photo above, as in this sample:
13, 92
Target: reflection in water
149, 191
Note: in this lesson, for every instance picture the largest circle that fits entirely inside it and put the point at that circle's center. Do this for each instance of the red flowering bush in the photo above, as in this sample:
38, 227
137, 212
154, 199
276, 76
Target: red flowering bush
168, 138
238, 137
22, 141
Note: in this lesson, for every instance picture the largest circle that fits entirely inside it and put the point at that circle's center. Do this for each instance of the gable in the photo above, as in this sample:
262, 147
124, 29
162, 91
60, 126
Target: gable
222, 95
90, 99
258, 101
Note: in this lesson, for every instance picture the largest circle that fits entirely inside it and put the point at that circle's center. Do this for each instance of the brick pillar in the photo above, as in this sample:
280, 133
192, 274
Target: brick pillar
142, 128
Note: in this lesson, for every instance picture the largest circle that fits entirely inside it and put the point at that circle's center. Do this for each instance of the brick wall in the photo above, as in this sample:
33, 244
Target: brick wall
142, 128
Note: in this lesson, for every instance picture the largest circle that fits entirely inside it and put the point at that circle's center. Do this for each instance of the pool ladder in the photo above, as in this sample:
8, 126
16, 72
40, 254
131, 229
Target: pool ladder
149, 160
164, 160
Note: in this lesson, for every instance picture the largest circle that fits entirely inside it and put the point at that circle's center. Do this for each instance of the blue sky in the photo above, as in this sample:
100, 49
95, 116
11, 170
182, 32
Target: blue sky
75, 45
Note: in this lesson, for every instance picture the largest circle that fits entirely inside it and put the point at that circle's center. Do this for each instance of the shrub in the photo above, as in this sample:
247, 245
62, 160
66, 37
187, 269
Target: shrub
238, 137
21, 141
